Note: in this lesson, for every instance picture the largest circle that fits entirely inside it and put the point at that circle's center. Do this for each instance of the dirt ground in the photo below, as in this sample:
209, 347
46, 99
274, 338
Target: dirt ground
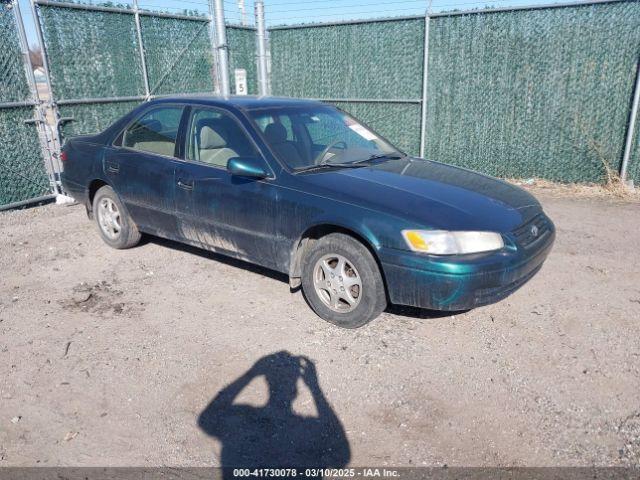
111, 358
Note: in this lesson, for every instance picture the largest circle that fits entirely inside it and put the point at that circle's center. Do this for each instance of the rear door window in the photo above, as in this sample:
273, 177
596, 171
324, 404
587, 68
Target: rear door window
155, 131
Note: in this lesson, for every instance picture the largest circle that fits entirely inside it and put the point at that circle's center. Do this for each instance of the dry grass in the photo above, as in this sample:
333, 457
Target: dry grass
613, 189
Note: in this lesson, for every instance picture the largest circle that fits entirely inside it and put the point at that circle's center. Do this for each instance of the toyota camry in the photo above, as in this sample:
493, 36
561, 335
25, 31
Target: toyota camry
304, 188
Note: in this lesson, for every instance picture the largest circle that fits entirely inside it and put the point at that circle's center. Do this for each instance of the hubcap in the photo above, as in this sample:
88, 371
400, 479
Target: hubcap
337, 283
109, 218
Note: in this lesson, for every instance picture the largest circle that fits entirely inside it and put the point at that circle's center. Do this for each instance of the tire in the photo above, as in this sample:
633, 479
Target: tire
359, 290
113, 221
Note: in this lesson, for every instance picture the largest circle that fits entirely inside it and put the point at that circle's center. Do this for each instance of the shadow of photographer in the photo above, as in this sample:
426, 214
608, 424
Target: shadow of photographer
273, 435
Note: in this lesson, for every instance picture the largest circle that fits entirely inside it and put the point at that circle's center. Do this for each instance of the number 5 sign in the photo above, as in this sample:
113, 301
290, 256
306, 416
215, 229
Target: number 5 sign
240, 75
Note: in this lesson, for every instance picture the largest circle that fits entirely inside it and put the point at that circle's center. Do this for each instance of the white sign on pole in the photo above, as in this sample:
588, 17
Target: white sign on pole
241, 81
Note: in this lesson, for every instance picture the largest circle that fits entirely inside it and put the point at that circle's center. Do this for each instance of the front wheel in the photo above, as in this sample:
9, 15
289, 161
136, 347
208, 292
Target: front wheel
342, 282
114, 223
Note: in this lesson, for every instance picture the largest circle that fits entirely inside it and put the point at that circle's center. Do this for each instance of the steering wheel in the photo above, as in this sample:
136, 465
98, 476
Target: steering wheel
326, 150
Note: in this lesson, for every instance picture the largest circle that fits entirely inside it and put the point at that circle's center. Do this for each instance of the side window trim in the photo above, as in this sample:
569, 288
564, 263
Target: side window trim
119, 139
181, 140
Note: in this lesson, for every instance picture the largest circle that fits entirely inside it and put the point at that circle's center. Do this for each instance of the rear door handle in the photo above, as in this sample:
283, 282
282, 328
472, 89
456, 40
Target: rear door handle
185, 185
113, 167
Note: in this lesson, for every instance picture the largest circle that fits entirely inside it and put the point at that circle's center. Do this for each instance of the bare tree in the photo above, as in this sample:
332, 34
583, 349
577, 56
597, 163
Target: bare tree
35, 56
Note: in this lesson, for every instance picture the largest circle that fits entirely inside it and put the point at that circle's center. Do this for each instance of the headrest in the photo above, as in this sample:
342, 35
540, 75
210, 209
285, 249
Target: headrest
276, 133
212, 135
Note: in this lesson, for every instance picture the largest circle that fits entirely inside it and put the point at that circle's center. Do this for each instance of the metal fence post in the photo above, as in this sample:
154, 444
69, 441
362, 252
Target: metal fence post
55, 131
215, 73
40, 119
143, 60
425, 71
221, 47
263, 84
631, 127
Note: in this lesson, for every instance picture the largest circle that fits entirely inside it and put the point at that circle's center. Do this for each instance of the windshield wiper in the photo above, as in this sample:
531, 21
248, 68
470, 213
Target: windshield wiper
330, 165
388, 156
355, 164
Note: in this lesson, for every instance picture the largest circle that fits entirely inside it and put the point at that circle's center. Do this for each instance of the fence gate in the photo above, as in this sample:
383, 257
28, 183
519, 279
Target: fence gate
103, 61
25, 144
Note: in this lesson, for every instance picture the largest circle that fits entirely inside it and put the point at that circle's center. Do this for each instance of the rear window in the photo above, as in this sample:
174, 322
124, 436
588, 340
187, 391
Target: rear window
154, 131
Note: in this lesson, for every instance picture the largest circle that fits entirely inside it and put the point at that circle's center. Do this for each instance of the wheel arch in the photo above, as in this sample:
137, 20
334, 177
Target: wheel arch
93, 187
314, 233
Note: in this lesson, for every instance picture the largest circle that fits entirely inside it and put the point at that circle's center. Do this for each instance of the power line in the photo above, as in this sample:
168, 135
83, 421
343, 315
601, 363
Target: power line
371, 14
368, 13
353, 6
163, 7
320, 6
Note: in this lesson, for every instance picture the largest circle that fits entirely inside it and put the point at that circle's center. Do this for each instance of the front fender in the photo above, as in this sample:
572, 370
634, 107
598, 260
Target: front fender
371, 228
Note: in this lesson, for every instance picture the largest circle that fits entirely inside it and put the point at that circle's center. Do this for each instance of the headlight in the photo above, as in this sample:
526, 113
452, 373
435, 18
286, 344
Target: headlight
441, 242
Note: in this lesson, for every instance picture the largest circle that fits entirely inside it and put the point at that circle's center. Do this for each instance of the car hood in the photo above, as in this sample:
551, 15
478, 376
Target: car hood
431, 194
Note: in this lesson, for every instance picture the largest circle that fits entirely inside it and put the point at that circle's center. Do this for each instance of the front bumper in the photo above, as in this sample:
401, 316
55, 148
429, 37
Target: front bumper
461, 282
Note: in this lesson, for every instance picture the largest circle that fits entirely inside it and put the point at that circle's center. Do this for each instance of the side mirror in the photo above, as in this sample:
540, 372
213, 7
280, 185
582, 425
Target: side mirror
251, 167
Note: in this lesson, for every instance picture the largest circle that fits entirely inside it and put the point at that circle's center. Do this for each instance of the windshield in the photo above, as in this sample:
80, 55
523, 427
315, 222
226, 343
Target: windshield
313, 136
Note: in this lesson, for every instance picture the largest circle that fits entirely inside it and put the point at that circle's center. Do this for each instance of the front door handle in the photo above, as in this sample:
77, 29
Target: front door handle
185, 185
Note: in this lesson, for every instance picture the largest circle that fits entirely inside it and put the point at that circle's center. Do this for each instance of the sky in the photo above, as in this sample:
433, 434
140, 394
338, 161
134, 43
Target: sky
279, 12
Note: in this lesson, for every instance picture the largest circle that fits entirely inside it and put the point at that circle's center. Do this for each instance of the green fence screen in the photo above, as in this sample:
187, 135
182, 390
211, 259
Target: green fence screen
525, 93
539, 93
91, 54
242, 54
376, 60
92, 117
95, 55
13, 82
397, 122
178, 54
23, 175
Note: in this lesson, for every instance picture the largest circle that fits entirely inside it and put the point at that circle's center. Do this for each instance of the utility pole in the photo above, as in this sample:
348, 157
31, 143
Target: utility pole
263, 81
221, 47
243, 12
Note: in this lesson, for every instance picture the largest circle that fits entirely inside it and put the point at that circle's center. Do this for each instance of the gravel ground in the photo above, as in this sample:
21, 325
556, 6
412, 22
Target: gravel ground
113, 358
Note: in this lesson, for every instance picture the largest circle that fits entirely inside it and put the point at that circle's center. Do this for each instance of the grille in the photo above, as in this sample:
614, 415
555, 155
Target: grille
533, 231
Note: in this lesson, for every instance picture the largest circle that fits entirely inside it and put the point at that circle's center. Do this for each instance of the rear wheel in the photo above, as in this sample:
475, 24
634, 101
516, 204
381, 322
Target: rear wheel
114, 223
342, 282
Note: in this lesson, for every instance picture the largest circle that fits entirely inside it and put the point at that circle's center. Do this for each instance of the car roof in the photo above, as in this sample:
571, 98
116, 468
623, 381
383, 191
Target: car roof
245, 102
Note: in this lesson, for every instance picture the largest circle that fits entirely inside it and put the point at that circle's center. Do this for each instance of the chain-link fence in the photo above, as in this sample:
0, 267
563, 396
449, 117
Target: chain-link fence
23, 175
540, 92
242, 55
103, 61
371, 69
535, 93
523, 92
178, 54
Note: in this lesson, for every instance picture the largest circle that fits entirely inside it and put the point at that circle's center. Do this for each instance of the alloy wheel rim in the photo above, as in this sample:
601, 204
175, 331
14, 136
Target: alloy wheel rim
109, 218
337, 283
